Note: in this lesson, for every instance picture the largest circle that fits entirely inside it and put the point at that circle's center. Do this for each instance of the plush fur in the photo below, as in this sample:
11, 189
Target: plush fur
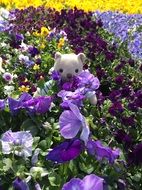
69, 65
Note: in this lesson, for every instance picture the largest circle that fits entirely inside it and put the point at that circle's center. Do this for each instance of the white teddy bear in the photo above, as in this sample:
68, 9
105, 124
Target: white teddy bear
68, 65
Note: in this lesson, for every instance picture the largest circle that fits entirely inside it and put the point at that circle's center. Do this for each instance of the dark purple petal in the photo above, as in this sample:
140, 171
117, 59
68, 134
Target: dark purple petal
116, 109
33, 51
66, 151
135, 156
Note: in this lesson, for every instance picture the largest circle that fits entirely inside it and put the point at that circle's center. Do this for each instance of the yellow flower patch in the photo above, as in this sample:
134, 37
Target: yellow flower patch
127, 6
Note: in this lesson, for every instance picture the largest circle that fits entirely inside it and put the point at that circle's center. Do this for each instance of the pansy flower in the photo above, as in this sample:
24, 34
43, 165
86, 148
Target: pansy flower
100, 151
39, 104
19, 143
16, 105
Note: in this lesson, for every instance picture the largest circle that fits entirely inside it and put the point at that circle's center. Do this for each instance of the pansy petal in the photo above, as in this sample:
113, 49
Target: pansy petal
65, 151
69, 124
76, 111
6, 147
85, 132
24, 97
20, 184
7, 136
74, 149
92, 182
55, 154
74, 184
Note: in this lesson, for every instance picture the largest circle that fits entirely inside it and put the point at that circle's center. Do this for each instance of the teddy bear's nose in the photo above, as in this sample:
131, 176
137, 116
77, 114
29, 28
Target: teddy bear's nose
69, 75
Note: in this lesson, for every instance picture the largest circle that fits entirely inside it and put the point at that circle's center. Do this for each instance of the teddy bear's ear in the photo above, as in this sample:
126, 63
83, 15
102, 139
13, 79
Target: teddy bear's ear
82, 57
57, 55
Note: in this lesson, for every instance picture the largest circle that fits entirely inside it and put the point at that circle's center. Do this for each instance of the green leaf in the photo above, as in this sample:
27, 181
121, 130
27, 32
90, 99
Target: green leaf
36, 141
43, 145
8, 164
54, 179
29, 125
137, 177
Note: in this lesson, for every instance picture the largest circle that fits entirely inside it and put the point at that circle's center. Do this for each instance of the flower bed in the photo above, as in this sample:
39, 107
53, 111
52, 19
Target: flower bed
60, 140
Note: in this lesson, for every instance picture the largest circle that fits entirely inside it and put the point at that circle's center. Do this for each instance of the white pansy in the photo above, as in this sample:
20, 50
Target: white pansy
4, 14
8, 90
23, 58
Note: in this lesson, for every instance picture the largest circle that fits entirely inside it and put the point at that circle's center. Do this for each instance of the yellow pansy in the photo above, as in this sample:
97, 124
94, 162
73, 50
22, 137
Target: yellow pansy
42, 46
36, 34
44, 31
61, 43
36, 67
24, 88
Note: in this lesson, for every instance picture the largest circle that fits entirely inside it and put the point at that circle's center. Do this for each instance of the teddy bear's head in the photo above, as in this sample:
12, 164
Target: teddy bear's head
69, 65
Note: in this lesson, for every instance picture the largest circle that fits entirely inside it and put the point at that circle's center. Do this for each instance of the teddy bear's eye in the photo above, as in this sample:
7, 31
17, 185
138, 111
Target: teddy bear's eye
76, 70
60, 70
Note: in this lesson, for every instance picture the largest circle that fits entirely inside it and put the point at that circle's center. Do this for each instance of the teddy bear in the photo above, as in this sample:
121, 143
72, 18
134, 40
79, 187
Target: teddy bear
69, 66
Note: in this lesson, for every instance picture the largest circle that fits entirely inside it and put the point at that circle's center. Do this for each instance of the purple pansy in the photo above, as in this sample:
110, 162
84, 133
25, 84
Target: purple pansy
66, 151
7, 77
33, 51
16, 105
116, 109
20, 184
18, 142
70, 85
89, 182
71, 122
19, 37
2, 104
88, 81
56, 75
39, 104
122, 137
135, 156
100, 151
73, 97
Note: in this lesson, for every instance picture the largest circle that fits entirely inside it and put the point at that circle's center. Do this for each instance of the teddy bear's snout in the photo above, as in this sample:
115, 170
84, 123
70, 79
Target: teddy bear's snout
69, 75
